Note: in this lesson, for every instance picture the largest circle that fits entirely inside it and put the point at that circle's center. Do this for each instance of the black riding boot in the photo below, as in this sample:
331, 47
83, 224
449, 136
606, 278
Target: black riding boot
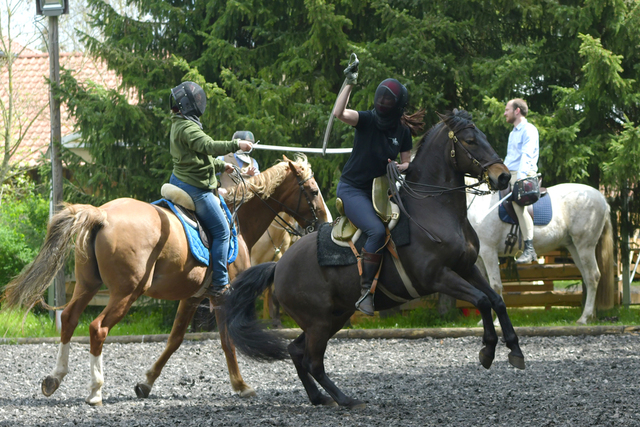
529, 254
370, 265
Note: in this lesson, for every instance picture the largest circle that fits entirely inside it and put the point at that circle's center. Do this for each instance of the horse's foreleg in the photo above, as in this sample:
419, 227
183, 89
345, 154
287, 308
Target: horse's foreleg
585, 260
237, 383
489, 266
516, 358
186, 310
452, 284
69, 321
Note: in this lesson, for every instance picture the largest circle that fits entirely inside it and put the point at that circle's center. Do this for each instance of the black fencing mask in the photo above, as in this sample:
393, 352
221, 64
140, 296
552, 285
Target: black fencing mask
389, 102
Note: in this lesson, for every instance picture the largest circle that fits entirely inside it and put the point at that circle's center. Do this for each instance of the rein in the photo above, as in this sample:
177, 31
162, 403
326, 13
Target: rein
422, 191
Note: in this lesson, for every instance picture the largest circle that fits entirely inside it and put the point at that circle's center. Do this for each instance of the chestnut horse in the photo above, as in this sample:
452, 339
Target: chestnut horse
135, 248
321, 298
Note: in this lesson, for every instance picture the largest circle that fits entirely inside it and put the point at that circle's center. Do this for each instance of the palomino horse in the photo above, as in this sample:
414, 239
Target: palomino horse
580, 223
321, 299
135, 249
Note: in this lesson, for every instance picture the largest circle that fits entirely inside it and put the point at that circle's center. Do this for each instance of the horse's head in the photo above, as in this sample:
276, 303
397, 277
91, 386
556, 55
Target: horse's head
306, 204
471, 153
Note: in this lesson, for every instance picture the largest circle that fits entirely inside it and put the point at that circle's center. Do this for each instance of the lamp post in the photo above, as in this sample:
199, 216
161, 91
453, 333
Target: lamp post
53, 9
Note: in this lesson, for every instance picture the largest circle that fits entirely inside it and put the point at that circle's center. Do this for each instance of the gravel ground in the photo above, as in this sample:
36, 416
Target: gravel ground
569, 381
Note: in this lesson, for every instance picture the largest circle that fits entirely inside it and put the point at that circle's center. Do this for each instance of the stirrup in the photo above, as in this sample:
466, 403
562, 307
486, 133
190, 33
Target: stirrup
367, 308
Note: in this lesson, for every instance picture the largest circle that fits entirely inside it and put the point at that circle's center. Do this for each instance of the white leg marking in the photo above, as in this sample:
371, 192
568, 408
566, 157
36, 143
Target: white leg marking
97, 380
62, 364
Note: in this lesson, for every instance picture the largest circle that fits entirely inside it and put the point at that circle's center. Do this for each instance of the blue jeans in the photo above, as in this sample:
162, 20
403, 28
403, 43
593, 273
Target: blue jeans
214, 221
358, 207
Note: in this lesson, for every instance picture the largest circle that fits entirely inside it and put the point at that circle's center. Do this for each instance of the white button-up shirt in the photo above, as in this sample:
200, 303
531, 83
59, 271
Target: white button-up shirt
523, 149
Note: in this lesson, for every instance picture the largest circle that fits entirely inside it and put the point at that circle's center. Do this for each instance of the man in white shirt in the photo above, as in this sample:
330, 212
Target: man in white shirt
522, 161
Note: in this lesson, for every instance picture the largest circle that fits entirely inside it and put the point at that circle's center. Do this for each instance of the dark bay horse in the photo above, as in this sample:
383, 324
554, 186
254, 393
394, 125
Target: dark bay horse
135, 248
321, 299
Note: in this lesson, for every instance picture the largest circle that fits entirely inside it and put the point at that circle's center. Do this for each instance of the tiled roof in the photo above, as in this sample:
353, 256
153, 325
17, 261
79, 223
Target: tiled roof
31, 96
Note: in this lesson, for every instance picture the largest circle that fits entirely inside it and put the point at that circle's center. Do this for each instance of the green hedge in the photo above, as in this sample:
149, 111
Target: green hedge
23, 223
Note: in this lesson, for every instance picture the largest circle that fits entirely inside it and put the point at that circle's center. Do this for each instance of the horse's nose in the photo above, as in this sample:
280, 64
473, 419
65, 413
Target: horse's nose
503, 180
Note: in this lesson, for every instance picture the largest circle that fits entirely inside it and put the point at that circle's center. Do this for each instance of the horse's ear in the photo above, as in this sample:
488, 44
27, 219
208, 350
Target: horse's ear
442, 117
285, 158
293, 167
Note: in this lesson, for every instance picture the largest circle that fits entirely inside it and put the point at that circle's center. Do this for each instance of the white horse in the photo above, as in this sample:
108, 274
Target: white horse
580, 223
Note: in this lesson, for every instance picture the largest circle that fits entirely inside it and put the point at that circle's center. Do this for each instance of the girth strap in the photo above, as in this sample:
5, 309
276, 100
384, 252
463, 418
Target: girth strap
391, 246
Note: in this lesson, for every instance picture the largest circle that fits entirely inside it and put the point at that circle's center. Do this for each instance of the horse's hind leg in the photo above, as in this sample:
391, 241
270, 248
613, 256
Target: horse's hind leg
516, 358
115, 310
237, 382
69, 321
186, 310
585, 260
313, 362
297, 351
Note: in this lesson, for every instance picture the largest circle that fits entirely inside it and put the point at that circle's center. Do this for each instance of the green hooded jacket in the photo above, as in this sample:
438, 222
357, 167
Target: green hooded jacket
194, 153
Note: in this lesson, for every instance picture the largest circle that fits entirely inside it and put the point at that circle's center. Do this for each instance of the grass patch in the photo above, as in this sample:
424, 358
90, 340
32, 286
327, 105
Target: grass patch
142, 320
157, 319
429, 318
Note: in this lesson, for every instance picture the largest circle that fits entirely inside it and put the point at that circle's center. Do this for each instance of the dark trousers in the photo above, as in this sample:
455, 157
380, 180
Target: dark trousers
358, 207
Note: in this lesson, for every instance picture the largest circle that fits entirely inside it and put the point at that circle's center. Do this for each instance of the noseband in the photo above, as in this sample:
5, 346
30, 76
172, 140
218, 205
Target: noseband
311, 223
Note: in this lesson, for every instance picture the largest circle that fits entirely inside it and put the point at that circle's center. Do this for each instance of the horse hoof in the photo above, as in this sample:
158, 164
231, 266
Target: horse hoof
323, 400
247, 393
357, 404
97, 403
142, 390
516, 361
486, 357
50, 385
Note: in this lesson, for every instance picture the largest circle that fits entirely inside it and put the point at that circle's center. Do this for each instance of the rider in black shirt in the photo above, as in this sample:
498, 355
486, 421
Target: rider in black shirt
381, 134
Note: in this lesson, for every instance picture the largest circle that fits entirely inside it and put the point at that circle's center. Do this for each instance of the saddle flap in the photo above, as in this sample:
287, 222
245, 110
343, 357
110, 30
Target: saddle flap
380, 198
177, 196
343, 230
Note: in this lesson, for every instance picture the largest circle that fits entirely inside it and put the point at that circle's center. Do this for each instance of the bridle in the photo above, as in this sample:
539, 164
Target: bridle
483, 176
310, 224
419, 190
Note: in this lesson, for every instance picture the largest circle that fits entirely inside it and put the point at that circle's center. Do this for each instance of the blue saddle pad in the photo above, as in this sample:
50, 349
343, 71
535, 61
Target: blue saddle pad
199, 251
542, 212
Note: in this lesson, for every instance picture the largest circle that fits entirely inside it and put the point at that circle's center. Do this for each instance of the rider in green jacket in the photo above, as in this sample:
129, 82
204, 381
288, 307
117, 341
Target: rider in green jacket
194, 170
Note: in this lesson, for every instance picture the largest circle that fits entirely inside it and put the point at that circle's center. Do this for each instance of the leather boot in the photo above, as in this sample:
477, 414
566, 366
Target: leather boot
370, 264
529, 254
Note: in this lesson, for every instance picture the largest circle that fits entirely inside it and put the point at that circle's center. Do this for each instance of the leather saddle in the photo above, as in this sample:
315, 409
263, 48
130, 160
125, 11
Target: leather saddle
509, 207
344, 231
186, 209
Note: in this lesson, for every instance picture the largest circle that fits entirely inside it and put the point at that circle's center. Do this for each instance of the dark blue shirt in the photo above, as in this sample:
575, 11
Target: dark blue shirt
371, 149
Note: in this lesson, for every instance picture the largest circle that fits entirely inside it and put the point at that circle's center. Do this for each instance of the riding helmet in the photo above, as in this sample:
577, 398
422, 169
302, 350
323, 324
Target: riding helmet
189, 98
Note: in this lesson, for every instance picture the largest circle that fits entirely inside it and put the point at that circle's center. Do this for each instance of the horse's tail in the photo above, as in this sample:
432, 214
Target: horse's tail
81, 220
248, 335
605, 296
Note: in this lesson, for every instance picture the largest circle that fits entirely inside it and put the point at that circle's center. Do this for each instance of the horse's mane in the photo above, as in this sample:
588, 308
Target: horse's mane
454, 120
266, 182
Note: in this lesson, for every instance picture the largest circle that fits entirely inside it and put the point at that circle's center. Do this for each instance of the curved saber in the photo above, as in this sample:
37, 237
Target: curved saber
494, 206
353, 62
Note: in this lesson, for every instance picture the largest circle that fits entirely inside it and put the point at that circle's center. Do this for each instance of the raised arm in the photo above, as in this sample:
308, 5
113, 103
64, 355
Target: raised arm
340, 110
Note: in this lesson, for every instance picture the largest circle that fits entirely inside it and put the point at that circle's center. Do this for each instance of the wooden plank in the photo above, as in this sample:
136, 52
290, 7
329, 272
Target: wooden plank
527, 287
533, 272
100, 299
536, 299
